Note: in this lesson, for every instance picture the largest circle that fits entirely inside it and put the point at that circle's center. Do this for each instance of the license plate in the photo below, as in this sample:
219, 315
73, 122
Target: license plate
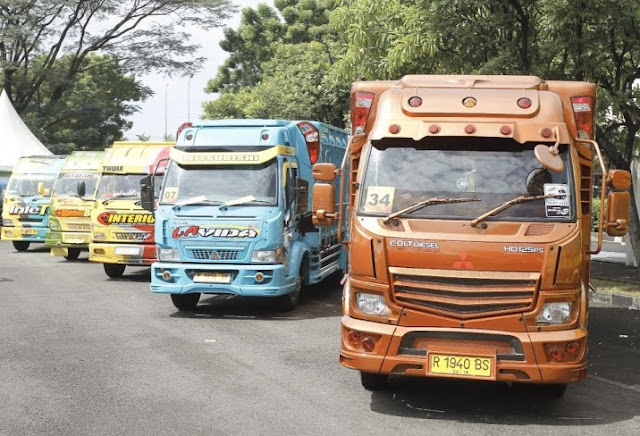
30, 232
212, 277
128, 251
460, 365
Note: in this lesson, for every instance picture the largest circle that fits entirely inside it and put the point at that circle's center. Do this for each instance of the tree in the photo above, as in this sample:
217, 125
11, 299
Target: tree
278, 67
89, 115
41, 39
297, 87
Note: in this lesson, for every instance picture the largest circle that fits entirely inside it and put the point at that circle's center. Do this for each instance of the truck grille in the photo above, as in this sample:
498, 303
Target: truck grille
464, 294
78, 226
130, 236
207, 254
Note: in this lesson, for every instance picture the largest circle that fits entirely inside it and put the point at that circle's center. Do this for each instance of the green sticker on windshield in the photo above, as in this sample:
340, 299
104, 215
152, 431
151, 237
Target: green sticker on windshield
379, 199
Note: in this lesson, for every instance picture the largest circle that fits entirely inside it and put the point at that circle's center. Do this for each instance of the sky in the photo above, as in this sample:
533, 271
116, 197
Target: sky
181, 98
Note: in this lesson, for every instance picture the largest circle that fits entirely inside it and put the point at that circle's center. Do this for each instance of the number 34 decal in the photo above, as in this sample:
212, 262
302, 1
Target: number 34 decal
379, 199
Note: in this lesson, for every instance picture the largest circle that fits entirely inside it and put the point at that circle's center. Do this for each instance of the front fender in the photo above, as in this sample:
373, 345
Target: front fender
298, 251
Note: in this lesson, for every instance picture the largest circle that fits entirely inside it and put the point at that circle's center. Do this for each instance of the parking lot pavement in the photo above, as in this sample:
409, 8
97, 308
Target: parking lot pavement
83, 354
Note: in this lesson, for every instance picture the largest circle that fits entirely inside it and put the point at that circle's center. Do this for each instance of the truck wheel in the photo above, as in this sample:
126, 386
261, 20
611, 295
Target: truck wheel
185, 301
21, 245
114, 270
373, 382
73, 254
290, 301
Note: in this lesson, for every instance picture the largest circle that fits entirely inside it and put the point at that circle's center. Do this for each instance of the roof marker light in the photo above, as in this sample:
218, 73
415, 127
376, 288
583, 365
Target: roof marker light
505, 130
545, 132
433, 129
524, 103
394, 129
469, 102
415, 101
469, 129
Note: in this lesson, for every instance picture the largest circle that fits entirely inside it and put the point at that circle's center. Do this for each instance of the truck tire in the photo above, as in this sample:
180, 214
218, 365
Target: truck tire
185, 301
373, 382
114, 270
21, 245
72, 254
287, 303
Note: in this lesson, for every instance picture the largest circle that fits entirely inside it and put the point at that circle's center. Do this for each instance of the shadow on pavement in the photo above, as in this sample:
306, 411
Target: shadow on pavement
132, 274
318, 301
589, 402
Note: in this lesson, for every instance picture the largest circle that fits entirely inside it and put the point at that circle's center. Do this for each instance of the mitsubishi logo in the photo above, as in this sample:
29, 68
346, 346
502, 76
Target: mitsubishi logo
463, 263
215, 256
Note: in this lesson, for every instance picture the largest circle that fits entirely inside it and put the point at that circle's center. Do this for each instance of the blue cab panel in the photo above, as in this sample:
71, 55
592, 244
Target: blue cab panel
234, 213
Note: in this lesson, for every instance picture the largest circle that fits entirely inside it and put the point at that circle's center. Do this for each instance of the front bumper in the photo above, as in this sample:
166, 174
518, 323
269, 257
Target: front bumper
61, 239
242, 279
27, 234
124, 254
531, 364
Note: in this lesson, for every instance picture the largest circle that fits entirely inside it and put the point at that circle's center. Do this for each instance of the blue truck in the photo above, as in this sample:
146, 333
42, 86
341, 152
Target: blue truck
234, 217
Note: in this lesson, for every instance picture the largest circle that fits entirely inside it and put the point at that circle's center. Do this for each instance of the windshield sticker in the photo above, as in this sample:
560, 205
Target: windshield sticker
170, 195
72, 213
85, 176
556, 207
379, 199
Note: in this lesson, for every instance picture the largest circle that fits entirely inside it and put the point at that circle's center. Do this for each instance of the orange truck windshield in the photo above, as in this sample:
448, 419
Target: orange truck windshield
403, 174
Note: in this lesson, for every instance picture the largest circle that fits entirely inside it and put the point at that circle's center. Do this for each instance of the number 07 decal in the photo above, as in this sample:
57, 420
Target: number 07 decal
379, 199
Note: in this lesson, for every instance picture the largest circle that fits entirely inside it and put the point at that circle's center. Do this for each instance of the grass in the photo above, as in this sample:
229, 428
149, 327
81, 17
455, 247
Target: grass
616, 287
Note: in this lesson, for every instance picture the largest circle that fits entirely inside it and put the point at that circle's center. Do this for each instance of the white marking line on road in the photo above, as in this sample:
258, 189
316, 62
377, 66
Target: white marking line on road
614, 383
209, 341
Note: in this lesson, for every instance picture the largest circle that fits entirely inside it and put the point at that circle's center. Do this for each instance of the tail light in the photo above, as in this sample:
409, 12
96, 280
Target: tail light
583, 112
312, 138
360, 107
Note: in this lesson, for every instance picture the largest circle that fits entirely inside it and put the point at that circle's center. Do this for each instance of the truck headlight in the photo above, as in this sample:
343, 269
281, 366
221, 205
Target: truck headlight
54, 225
7, 223
168, 255
97, 236
555, 313
269, 256
372, 304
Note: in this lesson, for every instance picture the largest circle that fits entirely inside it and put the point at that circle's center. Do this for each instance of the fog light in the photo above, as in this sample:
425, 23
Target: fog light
573, 349
354, 337
166, 275
556, 354
259, 277
98, 251
368, 344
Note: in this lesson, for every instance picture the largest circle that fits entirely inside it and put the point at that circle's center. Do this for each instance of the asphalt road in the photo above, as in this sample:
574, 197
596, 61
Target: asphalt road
81, 354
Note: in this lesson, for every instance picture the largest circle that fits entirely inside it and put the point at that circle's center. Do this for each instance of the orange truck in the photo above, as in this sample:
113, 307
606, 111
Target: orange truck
469, 228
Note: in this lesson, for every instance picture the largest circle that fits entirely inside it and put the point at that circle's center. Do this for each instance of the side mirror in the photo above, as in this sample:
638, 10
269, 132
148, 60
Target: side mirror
618, 213
302, 195
147, 201
81, 188
619, 179
324, 172
41, 189
324, 206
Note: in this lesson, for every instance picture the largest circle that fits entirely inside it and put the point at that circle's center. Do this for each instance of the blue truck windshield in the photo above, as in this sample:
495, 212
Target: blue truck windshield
400, 176
221, 184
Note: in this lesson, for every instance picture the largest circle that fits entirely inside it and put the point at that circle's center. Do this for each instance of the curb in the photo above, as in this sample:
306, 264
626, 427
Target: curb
605, 299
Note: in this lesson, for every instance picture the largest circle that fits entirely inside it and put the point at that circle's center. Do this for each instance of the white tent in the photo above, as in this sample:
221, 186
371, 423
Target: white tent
16, 138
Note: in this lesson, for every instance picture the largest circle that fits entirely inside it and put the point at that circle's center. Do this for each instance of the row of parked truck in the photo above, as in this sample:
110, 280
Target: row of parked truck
462, 202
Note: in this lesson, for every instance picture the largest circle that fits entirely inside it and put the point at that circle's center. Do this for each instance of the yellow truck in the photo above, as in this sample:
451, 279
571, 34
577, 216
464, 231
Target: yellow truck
72, 199
25, 209
121, 231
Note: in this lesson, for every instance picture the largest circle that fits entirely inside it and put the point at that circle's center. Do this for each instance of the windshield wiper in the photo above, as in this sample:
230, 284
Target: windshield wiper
115, 197
424, 203
200, 199
508, 204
